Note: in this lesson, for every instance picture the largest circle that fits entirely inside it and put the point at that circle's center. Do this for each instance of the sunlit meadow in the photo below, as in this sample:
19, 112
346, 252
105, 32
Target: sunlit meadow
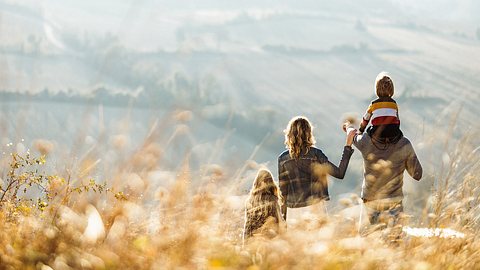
125, 219
131, 131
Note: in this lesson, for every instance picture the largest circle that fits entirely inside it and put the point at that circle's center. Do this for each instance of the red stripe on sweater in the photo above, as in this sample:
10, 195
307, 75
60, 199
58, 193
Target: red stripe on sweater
385, 120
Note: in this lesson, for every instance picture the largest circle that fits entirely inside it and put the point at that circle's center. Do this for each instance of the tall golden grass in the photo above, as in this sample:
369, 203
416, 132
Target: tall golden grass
143, 225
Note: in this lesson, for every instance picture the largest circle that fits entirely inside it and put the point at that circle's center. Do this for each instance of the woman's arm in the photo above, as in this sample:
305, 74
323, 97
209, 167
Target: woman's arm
339, 172
353, 137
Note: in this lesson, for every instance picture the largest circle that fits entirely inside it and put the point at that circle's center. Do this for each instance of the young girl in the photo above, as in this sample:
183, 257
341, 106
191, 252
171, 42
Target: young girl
262, 208
383, 112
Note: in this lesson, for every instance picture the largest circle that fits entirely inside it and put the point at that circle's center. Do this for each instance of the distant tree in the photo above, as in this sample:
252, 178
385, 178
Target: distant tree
180, 35
61, 96
363, 47
32, 44
43, 95
101, 94
220, 36
359, 26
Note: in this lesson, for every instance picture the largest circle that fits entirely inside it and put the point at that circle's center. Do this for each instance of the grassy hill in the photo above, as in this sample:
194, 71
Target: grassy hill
140, 95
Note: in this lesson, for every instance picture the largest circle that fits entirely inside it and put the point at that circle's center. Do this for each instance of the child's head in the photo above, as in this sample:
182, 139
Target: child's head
264, 183
264, 186
384, 85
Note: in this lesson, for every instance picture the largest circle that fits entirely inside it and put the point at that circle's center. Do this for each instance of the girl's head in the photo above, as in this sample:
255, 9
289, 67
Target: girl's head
264, 183
299, 136
264, 189
384, 85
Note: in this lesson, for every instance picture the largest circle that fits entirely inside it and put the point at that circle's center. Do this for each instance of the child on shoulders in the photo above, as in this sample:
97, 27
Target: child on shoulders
382, 113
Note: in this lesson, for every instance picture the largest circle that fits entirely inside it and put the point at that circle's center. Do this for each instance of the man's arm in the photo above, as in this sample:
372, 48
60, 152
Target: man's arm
412, 164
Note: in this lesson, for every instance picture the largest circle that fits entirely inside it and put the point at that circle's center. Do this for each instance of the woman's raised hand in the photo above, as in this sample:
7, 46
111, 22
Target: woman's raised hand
351, 132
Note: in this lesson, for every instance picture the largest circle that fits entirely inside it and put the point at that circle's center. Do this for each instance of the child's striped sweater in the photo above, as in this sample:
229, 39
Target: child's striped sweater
382, 111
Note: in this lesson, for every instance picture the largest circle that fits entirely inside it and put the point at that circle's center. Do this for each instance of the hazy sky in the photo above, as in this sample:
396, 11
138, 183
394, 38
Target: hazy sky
149, 25
82, 31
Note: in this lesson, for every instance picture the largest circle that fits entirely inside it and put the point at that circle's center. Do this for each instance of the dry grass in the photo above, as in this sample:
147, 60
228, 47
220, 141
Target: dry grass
179, 226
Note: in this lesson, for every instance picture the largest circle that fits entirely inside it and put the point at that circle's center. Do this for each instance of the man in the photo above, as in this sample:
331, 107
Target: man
384, 164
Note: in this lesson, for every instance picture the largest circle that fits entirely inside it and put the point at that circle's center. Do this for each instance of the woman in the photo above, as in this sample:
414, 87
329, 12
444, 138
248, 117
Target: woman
262, 208
303, 168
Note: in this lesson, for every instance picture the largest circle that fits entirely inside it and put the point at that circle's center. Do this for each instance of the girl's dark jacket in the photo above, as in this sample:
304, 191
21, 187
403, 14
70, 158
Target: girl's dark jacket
303, 181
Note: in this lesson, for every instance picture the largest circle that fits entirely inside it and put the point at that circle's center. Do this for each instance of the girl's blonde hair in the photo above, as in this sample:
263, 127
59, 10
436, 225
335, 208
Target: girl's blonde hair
263, 204
299, 136
384, 85
264, 189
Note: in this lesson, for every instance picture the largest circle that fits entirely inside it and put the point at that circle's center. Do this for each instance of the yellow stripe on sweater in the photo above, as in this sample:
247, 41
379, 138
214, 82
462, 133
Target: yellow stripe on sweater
383, 105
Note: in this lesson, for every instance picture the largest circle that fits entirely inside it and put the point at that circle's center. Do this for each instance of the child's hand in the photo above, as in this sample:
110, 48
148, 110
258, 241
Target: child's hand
345, 125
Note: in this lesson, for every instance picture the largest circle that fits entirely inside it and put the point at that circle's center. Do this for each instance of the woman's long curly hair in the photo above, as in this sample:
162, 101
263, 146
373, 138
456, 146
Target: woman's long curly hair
299, 136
